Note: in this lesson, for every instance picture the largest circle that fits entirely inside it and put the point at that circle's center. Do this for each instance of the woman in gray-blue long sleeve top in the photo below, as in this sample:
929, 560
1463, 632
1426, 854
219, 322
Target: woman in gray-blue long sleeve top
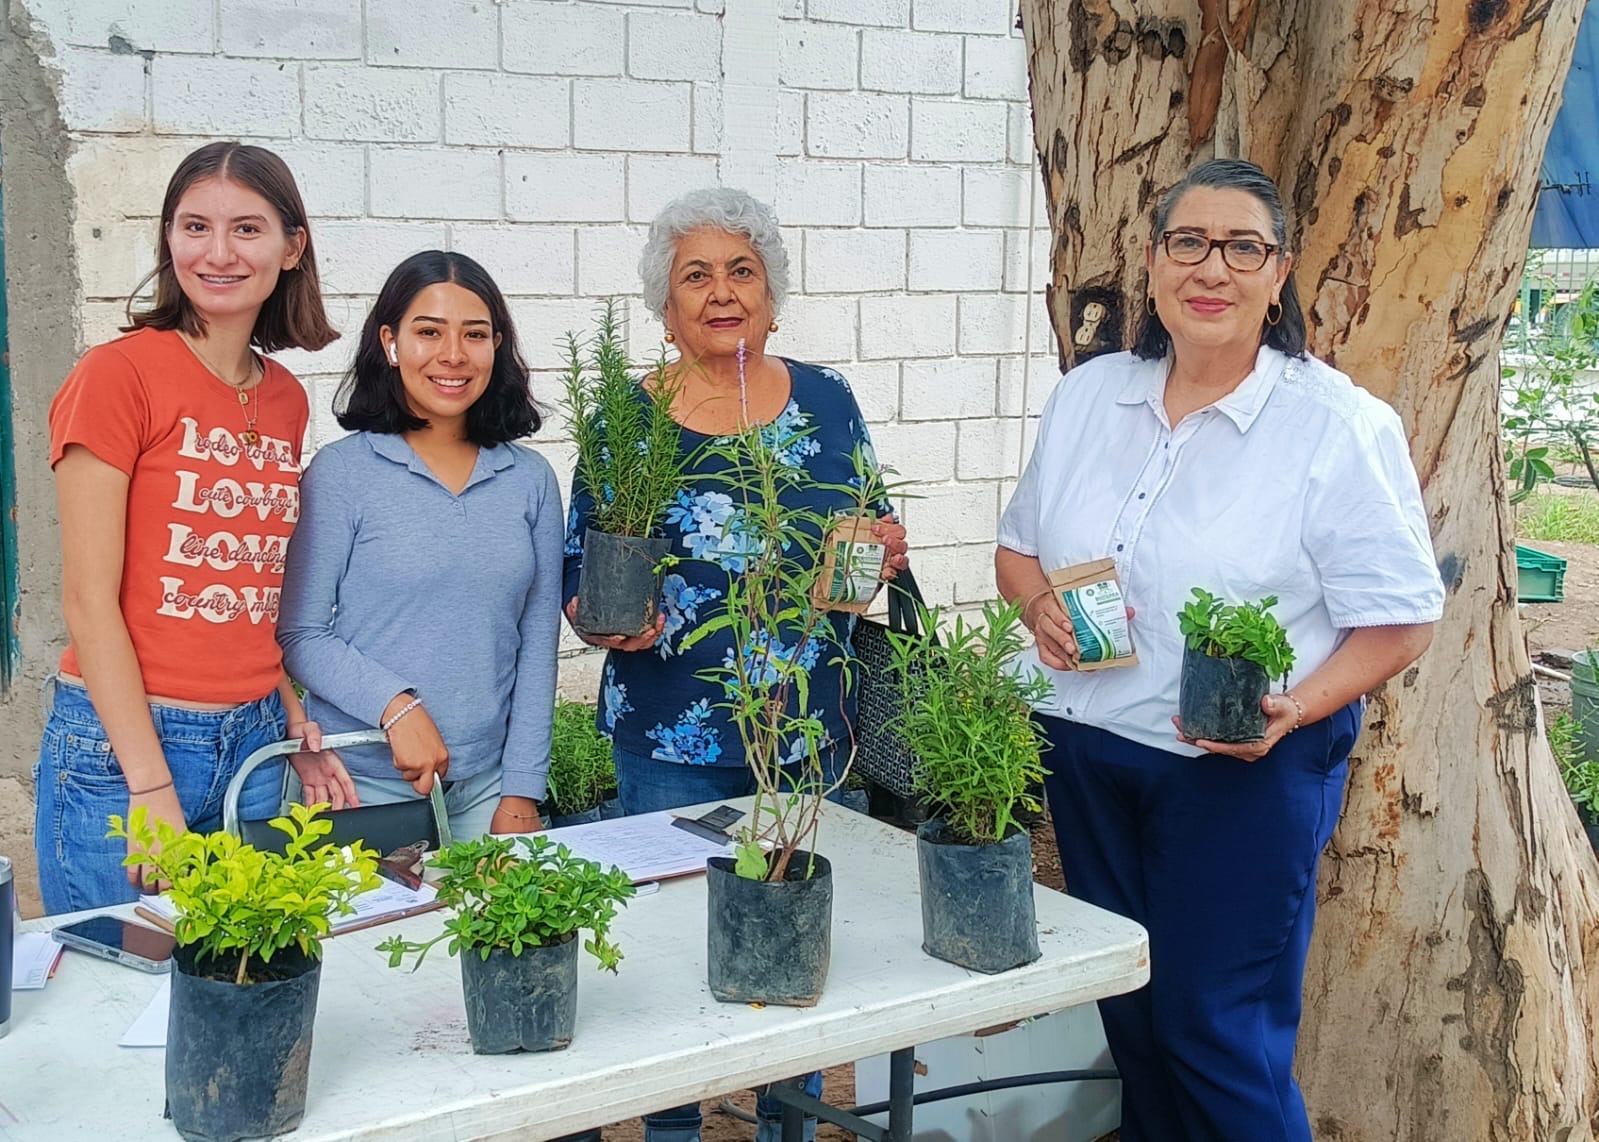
422, 591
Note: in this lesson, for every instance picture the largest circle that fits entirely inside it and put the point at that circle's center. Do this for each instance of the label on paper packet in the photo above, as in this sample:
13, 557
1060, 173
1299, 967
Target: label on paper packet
852, 566
1091, 595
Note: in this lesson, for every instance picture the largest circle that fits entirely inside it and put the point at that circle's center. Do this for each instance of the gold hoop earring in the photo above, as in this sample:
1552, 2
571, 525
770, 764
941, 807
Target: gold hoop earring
1270, 320
772, 328
1149, 304
671, 338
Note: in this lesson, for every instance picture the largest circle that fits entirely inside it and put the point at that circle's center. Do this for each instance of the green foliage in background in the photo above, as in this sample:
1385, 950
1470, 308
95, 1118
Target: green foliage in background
582, 770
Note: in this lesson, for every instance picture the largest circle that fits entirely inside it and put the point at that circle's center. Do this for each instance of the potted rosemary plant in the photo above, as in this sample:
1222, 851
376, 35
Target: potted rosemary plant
1231, 654
247, 965
519, 904
630, 465
1580, 774
582, 771
769, 937
967, 718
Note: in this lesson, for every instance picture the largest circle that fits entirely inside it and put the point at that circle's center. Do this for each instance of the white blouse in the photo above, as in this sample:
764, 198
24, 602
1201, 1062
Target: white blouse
1297, 484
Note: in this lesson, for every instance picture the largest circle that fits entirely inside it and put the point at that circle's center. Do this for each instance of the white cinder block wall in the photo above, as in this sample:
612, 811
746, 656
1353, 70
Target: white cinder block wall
540, 136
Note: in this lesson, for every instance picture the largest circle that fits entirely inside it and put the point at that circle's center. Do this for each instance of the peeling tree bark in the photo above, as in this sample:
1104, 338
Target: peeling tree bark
1454, 980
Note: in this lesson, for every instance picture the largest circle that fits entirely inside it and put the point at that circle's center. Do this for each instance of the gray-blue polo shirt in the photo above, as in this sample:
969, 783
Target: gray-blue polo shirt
393, 583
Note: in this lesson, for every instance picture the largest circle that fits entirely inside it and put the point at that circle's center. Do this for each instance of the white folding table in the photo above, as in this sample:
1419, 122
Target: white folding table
391, 1058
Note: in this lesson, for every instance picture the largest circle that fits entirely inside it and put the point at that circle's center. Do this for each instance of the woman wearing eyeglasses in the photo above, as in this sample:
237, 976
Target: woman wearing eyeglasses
1216, 454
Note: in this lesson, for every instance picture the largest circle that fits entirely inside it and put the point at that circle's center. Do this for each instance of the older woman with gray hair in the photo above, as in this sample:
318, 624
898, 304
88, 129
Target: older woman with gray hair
715, 272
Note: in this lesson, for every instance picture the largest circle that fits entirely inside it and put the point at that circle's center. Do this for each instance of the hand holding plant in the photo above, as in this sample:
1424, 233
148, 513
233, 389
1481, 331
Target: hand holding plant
521, 892
235, 901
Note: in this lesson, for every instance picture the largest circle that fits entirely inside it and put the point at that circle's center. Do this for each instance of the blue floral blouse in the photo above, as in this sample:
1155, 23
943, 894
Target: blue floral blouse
653, 702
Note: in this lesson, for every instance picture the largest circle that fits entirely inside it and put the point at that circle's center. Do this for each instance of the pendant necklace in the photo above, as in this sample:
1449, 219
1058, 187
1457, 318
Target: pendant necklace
242, 389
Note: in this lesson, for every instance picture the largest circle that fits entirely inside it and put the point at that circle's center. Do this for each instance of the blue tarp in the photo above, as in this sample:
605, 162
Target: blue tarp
1568, 207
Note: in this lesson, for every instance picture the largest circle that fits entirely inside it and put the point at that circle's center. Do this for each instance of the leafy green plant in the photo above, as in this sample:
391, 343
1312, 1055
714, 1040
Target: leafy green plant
1547, 399
582, 770
967, 716
1581, 777
627, 445
781, 634
1570, 517
521, 892
238, 906
1237, 630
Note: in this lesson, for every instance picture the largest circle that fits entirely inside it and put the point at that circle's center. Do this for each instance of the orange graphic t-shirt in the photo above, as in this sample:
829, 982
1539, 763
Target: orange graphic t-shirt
209, 515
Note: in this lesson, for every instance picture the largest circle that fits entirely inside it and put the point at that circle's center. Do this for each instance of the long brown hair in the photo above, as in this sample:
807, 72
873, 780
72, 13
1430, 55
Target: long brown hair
293, 316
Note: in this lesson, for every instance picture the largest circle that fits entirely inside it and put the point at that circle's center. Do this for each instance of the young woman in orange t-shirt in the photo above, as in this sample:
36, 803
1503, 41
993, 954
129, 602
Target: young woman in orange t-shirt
176, 451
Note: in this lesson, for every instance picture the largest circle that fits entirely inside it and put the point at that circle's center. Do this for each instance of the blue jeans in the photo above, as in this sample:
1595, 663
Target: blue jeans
645, 785
79, 784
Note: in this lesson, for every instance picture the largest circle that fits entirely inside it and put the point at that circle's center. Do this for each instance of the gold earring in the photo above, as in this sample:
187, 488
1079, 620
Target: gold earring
1277, 305
1149, 304
772, 328
671, 338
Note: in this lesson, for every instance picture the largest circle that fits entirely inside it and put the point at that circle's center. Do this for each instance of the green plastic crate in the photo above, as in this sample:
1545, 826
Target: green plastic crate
1540, 577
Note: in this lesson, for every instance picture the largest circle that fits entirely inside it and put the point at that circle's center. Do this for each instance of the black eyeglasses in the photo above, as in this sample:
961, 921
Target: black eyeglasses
1246, 255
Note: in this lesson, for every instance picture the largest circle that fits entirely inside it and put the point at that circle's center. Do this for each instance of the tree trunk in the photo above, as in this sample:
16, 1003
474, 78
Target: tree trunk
1449, 994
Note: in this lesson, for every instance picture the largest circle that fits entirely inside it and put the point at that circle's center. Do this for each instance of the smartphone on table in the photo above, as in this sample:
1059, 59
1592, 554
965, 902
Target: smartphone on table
110, 938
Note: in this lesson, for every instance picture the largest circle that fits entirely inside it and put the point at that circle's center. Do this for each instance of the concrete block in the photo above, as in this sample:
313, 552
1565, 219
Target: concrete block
128, 176
324, 428
991, 17
996, 196
957, 131
857, 125
1022, 253
523, 259
564, 188
655, 180
347, 315
921, 326
113, 256
375, 104
956, 259
627, 115
444, 33
993, 449
1020, 147
707, 118
952, 389
878, 13
356, 257
435, 182
896, 60
101, 321
854, 261
818, 194
650, 3
790, 122
186, 96
912, 195
101, 91
543, 323
495, 109
876, 388
952, 513
607, 260
715, 7
817, 56
674, 45
921, 453
816, 329
997, 323
331, 176
291, 29
138, 26
645, 334
996, 68
561, 39
1041, 374
935, 571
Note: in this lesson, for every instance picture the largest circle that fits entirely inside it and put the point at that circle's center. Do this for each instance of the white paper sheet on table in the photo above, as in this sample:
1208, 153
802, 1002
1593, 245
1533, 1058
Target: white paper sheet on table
646, 847
33, 958
150, 1028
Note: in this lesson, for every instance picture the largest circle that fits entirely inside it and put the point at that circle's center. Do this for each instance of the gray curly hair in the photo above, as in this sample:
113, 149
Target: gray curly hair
716, 208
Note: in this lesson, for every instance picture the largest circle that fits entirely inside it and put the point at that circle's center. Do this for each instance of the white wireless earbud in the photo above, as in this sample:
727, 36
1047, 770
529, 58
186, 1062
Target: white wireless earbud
394, 356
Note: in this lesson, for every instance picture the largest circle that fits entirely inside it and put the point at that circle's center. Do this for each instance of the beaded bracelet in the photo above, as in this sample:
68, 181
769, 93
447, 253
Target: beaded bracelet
404, 710
1299, 711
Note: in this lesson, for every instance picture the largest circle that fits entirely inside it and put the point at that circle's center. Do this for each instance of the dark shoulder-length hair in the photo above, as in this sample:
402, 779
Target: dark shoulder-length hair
371, 397
292, 317
1288, 334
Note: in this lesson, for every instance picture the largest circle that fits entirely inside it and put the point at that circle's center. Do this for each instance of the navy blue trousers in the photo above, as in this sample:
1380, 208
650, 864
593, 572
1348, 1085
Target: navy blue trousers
1217, 859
